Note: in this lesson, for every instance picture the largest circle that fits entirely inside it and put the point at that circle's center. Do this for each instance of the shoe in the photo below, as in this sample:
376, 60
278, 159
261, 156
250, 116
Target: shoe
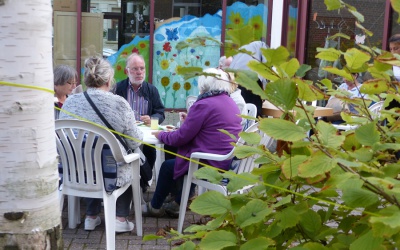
123, 226
91, 224
172, 209
169, 198
149, 211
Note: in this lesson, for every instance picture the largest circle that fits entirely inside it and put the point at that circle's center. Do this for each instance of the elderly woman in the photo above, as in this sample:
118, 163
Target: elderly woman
213, 110
98, 78
65, 80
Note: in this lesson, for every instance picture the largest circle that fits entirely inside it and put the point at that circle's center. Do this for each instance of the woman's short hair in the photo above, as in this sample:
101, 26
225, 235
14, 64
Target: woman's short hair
63, 74
219, 81
98, 72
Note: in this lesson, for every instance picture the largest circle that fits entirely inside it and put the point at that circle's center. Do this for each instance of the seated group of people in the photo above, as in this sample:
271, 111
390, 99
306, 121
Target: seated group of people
134, 99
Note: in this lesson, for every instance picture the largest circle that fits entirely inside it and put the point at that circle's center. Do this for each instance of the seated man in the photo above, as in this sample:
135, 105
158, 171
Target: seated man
144, 100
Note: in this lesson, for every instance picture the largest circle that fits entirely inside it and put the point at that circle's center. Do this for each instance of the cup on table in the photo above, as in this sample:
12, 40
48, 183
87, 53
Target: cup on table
154, 123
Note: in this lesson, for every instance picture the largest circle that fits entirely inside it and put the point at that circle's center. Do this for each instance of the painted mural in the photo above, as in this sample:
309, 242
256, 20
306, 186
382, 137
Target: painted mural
248, 21
139, 45
167, 58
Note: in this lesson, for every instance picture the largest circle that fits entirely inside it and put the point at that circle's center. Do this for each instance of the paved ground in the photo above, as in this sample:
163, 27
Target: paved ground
80, 239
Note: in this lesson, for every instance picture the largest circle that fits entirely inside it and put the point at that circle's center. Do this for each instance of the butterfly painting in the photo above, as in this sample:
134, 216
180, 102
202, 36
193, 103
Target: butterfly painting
172, 34
360, 39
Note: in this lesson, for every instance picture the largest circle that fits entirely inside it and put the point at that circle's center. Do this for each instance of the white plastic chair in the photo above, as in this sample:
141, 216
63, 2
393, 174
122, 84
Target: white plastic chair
374, 109
246, 165
189, 101
78, 138
251, 111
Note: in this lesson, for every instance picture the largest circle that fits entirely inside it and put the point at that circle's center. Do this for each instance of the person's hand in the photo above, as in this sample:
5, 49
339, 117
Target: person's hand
145, 119
182, 116
156, 133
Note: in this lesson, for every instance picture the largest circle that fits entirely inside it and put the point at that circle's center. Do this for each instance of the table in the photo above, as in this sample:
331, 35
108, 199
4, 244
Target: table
271, 110
151, 139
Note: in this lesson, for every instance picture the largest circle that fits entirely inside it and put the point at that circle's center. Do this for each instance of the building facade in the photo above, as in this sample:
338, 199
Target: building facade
181, 33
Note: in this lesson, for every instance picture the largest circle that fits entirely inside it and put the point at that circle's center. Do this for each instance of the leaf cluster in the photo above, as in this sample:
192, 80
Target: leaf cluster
328, 190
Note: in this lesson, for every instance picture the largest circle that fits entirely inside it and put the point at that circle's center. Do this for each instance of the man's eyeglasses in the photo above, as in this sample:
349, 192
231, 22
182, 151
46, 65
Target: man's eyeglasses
136, 69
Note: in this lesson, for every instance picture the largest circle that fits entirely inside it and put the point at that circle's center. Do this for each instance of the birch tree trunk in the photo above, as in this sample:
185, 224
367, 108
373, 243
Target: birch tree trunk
29, 209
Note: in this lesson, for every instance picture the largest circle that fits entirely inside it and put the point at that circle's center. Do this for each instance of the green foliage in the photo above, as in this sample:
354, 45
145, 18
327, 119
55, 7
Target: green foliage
331, 190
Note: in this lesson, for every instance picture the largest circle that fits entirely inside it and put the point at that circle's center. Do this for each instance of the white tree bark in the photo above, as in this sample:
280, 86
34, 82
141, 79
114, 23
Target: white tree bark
29, 208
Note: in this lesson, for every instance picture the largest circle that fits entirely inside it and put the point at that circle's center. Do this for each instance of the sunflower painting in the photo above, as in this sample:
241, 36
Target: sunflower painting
168, 57
138, 45
248, 23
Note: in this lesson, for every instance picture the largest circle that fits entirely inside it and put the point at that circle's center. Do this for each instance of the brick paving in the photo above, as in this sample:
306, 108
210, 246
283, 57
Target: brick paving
78, 238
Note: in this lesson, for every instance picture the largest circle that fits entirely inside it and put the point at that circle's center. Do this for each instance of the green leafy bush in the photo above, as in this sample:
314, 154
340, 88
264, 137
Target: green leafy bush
331, 190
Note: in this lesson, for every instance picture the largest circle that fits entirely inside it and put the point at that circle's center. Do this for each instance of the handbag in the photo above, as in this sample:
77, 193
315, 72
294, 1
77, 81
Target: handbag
109, 165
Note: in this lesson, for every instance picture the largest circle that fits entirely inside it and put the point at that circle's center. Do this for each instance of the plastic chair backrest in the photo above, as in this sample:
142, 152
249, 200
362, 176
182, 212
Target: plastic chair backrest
80, 145
251, 111
189, 101
376, 108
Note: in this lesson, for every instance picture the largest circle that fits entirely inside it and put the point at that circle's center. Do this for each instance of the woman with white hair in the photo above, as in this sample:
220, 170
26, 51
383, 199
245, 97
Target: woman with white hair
199, 132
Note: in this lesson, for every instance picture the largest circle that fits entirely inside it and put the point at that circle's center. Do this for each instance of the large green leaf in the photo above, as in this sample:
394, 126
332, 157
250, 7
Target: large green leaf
367, 134
248, 79
314, 246
253, 212
291, 164
282, 93
339, 72
257, 243
210, 203
358, 197
317, 164
311, 222
392, 221
396, 7
374, 86
377, 74
301, 72
356, 59
308, 92
288, 69
246, 151
216, 240
240, 181
332, 4
367, 242
329, 54
209, 174
189, 72
327, 135
282, 129
262, 70
275, 57
288, 217
251, 138
211, 225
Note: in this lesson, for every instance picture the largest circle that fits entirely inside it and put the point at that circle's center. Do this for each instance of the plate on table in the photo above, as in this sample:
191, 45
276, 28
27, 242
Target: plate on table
138, 123
168, 127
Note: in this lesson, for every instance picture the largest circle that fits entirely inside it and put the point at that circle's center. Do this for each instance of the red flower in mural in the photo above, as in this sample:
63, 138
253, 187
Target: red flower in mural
135, 50
119, 67
198, 57
167, 47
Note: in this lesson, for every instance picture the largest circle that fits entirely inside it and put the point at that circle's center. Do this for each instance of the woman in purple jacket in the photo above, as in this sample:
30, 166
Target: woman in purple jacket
213, 110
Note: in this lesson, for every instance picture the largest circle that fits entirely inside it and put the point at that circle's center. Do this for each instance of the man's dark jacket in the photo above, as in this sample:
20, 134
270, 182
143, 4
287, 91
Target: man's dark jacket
150, 93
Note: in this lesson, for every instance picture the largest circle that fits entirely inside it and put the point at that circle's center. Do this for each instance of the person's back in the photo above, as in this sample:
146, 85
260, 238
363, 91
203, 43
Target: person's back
241, 60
